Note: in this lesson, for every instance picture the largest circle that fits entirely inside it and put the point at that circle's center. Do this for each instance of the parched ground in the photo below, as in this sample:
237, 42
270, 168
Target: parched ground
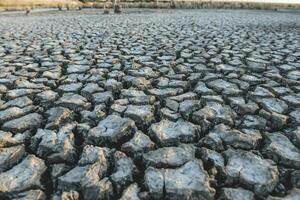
172, 104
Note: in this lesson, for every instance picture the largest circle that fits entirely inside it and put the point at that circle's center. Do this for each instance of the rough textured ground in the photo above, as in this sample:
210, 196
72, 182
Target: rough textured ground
198, 104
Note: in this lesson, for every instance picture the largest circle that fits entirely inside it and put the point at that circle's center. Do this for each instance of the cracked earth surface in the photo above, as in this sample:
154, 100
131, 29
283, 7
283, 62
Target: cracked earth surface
194, 104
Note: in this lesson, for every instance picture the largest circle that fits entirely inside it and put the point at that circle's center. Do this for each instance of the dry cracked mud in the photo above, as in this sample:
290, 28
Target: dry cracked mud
181, 104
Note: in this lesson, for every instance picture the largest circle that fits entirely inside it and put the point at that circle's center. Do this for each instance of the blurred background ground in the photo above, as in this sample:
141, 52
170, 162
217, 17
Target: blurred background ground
36, 3
15, 5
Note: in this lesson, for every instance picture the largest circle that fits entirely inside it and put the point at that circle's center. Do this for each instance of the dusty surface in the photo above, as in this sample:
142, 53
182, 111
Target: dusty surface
194, 104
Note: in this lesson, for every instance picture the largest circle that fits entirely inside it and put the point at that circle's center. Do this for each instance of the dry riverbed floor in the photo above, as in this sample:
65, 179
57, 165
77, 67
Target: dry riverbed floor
171, 104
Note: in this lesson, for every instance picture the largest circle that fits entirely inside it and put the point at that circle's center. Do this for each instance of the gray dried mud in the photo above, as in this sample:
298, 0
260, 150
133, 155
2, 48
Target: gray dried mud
172, 104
